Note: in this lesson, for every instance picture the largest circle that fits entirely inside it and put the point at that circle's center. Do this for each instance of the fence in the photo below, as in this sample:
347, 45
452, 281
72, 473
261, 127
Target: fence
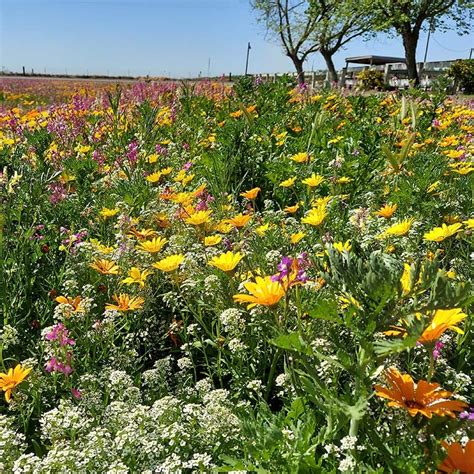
395, 74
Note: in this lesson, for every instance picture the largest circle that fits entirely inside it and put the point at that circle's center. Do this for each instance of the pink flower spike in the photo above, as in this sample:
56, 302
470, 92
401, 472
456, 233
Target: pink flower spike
76, 393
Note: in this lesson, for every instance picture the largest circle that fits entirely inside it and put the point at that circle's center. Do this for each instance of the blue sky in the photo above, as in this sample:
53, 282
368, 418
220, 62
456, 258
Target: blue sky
164, 37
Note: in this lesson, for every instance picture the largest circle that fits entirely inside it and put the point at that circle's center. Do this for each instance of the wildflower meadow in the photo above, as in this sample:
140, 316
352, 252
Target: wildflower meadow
261, 278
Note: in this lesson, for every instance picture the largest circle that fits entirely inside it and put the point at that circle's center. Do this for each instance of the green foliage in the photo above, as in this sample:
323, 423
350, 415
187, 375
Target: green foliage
462, 71
370, 79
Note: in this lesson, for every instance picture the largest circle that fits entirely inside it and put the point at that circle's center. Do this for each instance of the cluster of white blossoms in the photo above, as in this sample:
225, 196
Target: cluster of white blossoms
232, 321
12, 443
8, 336
171, 435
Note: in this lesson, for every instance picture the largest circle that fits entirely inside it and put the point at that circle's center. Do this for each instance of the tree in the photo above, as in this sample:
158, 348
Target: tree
293, 22
409, 17
304, 27
345, 22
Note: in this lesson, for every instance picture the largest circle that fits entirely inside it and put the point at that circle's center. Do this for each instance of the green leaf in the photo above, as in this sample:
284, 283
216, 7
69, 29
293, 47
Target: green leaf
357, 411
326, 310
292, 342
297, 409
385, 348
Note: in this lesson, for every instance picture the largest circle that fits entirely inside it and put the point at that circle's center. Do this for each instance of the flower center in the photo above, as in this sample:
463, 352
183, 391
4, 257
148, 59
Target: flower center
413, 404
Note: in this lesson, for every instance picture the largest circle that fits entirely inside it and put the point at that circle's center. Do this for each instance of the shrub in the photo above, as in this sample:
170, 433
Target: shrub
370, 79
462, 71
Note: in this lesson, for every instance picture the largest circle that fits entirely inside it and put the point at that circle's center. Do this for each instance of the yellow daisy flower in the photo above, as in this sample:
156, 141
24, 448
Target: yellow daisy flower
170, 263
438, 234
226, 261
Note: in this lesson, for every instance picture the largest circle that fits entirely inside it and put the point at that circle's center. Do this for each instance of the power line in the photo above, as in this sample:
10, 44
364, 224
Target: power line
449, 49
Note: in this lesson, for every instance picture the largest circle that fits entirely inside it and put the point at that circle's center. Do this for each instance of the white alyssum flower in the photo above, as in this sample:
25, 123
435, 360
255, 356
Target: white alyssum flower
232, 321
348, 443
12, 443
347, 464
255, 385
185, 363
8, 336
236, 345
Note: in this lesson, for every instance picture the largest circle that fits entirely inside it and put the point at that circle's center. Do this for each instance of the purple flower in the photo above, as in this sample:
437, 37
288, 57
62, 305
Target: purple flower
293, 269
467, 415
204, 200
228, 244
76, 393
187, 166
161, 150
284, 268
437, 349
303, 87
54, 365
51, 364
61, 334
58, 193
98, 158
132, 152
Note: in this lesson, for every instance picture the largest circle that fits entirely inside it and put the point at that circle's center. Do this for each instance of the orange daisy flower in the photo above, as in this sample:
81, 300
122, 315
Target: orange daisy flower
105, 267
443, 320
125, 303
240, 220
423, 397
387, 211
9, 380
143, 233
74, 302
251, 193
458, 459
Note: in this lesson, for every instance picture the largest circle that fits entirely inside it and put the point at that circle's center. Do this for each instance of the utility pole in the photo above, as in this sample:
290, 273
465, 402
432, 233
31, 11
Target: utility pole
427, 45
247, 60
470, 53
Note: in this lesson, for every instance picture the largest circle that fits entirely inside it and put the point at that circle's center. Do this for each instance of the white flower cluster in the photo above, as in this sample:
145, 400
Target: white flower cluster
8, 336
12, 444
348, 464
283, 382
273, 257
255, 386
170, 436
236, 346
157, 379
232, 321
184, 363
212, 285
64, 421
343, 453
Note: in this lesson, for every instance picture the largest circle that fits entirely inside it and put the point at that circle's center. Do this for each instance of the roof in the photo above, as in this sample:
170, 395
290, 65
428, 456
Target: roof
374, 60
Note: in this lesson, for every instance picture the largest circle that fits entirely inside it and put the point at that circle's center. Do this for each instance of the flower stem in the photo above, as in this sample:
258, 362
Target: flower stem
431, 367
271, 374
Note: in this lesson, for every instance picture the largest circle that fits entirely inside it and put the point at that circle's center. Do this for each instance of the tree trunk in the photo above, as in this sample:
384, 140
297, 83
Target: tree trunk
332, 73
410, 42
299, 68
